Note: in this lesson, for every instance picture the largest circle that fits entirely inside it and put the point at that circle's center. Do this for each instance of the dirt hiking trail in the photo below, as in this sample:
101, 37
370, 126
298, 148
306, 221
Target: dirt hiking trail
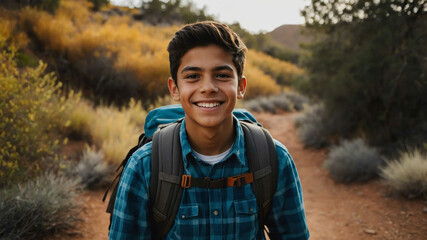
334, 211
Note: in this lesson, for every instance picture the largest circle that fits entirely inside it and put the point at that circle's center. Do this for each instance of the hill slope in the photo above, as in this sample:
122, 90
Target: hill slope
289, 36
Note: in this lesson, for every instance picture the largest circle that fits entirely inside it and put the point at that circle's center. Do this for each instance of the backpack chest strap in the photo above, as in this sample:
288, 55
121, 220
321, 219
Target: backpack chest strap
186, 181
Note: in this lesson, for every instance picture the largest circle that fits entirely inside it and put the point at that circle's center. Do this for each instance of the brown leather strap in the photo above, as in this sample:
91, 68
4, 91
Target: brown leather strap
234, 181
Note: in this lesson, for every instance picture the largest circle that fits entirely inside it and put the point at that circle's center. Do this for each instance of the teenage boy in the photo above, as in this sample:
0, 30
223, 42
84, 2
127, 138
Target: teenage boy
206, 63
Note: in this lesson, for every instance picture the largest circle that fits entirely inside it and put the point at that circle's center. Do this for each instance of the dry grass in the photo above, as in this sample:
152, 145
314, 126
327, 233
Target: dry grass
407, 175
283, 72
111, 130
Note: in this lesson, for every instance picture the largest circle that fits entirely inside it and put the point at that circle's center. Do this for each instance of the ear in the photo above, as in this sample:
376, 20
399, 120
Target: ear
173, 89
241, 88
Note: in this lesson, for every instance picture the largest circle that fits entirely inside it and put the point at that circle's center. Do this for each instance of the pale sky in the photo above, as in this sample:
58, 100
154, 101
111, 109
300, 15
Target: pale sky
253, 15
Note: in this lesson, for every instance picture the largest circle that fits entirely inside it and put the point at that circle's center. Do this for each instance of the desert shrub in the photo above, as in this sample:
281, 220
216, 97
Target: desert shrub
266, 104
313, 127
283, 72
282, 102
112, 130
298, 101
32, 111
92, 170
407, 175
43, 207
353, 161
270, 104
10, 33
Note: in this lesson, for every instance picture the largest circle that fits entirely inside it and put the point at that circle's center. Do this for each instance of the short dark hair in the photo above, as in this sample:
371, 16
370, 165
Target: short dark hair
204, 34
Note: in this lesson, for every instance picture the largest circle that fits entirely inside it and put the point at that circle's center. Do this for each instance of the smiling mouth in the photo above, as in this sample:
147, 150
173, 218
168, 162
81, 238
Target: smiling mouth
208, 105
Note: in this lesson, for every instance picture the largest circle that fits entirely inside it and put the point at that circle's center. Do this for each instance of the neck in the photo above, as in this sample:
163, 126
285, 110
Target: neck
210, 141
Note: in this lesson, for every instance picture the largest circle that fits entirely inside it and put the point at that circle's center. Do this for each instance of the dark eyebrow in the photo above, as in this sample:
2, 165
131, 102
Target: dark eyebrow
219, 68
190, 68
224, 67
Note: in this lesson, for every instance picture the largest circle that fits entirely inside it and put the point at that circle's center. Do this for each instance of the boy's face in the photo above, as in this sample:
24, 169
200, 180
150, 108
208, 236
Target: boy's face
207, 86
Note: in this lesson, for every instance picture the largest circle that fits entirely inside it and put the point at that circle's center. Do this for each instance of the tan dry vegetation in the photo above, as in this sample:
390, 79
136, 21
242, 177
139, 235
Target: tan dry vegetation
78, 35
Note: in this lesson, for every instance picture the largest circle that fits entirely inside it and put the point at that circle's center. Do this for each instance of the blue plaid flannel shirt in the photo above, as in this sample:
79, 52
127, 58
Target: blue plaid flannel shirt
225, 213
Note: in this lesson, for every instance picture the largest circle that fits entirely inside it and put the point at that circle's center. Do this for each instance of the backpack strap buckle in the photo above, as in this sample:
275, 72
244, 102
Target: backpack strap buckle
240, 180
186, 181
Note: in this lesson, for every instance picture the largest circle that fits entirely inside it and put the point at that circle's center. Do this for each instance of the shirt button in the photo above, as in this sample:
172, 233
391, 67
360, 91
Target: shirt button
251, 209
216, 212
183, 216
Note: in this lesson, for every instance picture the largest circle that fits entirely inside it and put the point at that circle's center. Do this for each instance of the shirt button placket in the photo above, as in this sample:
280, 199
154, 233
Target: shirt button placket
215, 212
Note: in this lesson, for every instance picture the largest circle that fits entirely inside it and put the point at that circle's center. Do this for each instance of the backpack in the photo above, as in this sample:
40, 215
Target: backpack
162, 127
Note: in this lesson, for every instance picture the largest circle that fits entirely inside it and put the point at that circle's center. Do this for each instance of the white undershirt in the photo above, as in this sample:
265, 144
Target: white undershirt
212, 159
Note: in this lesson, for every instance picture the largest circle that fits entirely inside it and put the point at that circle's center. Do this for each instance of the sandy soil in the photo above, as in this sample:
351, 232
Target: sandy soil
334, 211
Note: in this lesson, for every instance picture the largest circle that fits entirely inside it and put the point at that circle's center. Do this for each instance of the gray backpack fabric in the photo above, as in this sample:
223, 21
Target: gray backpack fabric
167, 178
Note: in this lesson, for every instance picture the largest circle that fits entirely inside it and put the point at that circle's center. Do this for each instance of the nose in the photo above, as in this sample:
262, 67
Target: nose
208, 86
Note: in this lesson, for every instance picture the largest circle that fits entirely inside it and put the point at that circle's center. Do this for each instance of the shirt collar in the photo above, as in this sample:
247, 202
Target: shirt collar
238, 148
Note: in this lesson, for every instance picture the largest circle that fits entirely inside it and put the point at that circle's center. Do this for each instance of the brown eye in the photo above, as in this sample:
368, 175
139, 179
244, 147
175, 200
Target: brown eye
223, 75
192, 76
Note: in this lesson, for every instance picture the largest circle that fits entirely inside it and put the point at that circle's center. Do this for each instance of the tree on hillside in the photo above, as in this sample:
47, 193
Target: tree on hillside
368, 66
47, 5
170, 12
97, 4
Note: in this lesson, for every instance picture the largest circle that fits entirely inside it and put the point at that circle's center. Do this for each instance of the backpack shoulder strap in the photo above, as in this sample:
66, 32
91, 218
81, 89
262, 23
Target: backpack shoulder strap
166, 171
142, 140
262, 160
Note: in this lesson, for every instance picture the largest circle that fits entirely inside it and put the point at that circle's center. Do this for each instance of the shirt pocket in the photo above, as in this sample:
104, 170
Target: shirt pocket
187, 222
246, 218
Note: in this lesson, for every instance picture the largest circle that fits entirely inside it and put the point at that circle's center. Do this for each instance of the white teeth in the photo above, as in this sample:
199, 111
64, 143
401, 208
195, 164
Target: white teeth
208, 105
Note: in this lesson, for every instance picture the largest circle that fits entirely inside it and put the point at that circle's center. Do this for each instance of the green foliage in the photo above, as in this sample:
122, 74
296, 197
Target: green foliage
97, 4
46, 5
31, 110
172, 12
353, 161
24, 60
368, 67
44, 207
407, 175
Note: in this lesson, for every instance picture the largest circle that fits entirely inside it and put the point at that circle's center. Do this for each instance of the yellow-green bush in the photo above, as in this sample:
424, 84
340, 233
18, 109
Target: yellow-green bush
283, 72
407, 175
259, 83
109, 129
30, 112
